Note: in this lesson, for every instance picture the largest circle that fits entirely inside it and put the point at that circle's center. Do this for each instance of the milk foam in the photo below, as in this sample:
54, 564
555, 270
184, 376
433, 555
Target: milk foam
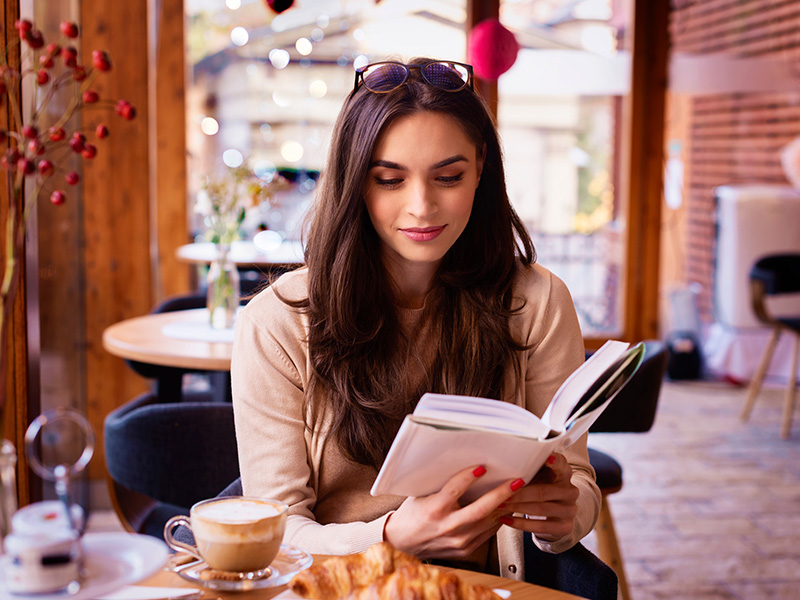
238, 511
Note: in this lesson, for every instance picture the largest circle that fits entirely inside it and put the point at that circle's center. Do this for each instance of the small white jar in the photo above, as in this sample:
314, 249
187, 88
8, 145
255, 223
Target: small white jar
46, 517
36, 563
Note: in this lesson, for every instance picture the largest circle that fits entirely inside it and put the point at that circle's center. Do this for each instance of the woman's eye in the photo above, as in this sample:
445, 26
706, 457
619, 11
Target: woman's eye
450, 179
392, 182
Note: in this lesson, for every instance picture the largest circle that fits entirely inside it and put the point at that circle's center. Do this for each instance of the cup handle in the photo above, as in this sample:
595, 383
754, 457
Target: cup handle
177, 544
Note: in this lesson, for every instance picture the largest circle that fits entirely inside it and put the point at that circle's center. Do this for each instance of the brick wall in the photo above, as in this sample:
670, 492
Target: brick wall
732, 138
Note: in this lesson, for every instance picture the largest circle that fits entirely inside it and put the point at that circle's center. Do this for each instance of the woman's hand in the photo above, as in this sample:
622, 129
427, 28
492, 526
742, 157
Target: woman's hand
436, 526
549, 501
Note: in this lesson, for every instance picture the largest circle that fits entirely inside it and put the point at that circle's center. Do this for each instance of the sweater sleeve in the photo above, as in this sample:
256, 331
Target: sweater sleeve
557, 351
268, 375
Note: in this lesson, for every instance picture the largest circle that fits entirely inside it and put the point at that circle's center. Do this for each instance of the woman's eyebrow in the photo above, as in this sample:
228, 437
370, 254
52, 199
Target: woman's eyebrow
387, 164
398, 167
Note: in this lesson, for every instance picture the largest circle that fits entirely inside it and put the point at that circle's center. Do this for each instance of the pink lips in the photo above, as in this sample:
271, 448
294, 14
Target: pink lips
422, 234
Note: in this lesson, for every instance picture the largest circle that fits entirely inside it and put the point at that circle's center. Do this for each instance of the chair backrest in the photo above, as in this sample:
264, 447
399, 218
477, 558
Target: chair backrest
176, 453
633, 409
779, 273
168, 380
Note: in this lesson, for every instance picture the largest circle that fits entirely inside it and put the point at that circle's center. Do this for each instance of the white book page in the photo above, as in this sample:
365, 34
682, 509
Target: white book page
479, 413
573, 389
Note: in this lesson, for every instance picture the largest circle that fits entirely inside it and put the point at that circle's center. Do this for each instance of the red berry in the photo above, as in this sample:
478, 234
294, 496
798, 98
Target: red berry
46, 60
36, 147
70, 56
90, 97
53, 49
72, 178
77, 145
35, 38
58, 197
26, 166
10, 159
101, 131
69, 29
30, 132
100, 60
126, 110
79, 73
46, 168
57, 134
89, 151
23, 26
42, 77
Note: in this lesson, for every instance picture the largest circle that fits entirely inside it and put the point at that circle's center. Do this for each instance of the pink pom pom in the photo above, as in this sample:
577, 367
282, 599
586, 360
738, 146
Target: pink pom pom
492, 49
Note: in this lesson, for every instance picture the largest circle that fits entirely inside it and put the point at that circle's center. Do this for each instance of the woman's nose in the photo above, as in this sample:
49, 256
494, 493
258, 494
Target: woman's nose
422, 201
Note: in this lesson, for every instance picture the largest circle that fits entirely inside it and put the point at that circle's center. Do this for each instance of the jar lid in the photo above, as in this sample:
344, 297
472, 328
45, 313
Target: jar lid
45, 517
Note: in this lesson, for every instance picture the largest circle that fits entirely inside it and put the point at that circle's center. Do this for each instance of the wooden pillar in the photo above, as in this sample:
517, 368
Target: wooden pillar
168, 201
645, 166
117, 216
477, 11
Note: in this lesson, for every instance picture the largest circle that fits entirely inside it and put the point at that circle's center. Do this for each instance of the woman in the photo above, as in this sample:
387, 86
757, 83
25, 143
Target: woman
420, 277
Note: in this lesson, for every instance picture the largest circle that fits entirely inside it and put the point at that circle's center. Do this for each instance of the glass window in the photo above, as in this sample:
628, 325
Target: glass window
266, 88
560, 112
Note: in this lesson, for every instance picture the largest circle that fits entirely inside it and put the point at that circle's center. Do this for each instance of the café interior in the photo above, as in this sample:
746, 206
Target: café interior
648, 150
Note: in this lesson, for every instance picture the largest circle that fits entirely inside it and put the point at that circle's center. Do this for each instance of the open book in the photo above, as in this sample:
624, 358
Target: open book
446, 433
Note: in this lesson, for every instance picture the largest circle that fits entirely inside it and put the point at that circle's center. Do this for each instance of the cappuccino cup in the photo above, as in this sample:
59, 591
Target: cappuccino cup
235, 533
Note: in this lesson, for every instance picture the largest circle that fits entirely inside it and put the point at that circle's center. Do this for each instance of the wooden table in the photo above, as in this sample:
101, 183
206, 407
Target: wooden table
143, 339
518, 589
245, 255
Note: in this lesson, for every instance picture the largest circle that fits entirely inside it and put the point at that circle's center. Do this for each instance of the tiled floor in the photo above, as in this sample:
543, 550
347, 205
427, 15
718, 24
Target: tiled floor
710, 509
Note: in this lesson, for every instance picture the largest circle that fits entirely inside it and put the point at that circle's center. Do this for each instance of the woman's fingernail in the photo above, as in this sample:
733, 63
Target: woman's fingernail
479, 471
516, 484
551, 459
506, 520
502, 505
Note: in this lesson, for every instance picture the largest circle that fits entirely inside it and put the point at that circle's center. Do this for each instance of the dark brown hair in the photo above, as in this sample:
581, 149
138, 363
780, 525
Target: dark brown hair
355, 341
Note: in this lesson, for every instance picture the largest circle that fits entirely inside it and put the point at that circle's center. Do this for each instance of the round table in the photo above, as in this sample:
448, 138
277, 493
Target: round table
245, 255
181, 339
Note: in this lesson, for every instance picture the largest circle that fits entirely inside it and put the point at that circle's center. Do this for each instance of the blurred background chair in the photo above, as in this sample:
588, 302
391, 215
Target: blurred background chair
168, 381
633, 410
775, 275
164, 457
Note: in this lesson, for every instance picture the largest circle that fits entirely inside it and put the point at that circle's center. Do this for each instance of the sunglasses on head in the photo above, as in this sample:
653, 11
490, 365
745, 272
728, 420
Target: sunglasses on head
383, 77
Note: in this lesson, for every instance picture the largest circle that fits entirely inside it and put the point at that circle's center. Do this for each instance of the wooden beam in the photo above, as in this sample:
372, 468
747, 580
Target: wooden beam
167, 59
646, 163
116, 223
477, 11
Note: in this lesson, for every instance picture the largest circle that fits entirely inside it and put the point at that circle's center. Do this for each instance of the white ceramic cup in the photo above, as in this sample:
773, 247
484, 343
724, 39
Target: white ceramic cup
235, 533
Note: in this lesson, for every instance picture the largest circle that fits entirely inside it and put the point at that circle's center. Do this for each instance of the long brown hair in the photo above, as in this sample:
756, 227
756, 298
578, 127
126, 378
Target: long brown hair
354, 335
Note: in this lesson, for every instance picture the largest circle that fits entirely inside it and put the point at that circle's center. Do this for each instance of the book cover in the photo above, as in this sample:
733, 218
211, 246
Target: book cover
448, 433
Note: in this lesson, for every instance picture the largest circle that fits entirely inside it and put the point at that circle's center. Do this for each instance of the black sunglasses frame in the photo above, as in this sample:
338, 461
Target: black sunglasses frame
359, 75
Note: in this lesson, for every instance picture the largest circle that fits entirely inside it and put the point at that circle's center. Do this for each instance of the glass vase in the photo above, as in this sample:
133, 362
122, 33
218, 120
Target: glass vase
8, 487
223, 289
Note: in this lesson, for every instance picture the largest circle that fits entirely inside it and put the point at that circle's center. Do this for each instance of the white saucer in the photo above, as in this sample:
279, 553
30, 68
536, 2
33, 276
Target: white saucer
111, 561
289, 562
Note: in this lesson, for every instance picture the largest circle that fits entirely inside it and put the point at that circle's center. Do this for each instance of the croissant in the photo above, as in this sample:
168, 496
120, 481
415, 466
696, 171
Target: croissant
338, 576
421, 582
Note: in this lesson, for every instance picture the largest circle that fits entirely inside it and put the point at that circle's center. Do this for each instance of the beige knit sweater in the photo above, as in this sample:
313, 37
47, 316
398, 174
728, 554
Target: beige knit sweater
330, 508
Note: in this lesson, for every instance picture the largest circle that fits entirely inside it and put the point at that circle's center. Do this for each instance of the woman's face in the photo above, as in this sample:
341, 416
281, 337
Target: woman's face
420, 188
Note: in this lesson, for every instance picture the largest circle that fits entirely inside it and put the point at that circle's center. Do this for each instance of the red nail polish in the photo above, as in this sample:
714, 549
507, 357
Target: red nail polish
516, 484
506, 520
479, 471
502, 505
551, 459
